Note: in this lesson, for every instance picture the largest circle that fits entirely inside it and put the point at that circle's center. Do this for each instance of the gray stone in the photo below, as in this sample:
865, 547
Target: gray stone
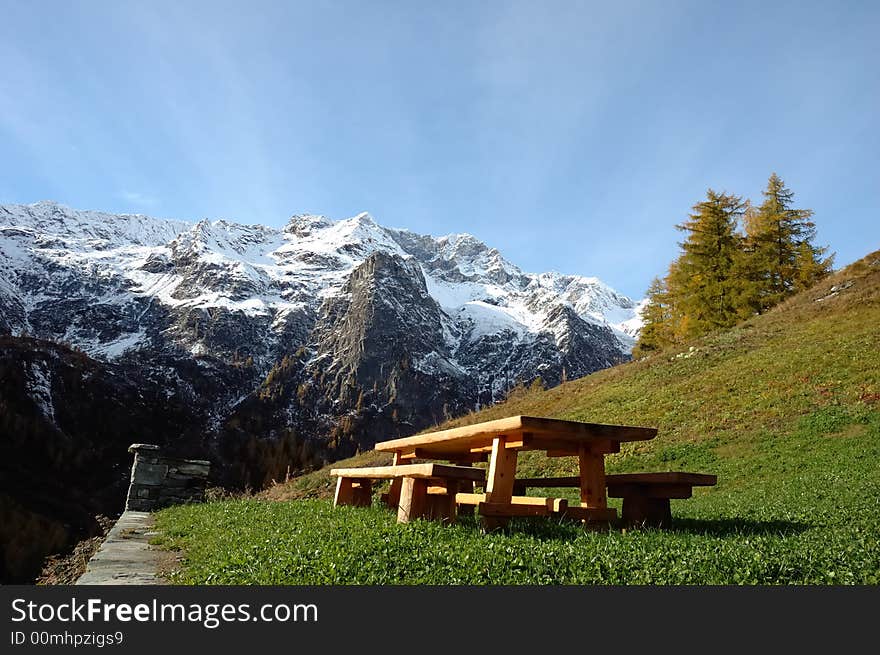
195, 468
142, 447
158, 481
126, 556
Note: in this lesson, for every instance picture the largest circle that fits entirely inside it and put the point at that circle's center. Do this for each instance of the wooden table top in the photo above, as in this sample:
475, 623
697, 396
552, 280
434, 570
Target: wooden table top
532, 433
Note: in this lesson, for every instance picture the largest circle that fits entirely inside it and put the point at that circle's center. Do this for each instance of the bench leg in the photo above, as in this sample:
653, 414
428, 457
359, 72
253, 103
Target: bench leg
441, 507
344, 492
392, 498
467, 487
651, 512
413, 499
353, 492
363, 493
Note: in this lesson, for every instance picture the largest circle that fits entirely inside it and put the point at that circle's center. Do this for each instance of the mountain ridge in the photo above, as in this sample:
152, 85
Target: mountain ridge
154, 284
267, 350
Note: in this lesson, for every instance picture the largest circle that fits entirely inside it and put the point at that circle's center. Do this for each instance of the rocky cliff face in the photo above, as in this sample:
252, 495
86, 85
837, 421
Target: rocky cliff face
295, 345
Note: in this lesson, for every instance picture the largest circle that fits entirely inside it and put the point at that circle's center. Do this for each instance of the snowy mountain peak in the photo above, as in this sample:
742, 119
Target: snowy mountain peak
50, 220
305, 223
125, 264
333, 332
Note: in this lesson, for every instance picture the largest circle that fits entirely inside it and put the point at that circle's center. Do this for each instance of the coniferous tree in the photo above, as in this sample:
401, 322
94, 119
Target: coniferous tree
812, 265
704, 284
751, 274
657, 329
721, 277
779, 249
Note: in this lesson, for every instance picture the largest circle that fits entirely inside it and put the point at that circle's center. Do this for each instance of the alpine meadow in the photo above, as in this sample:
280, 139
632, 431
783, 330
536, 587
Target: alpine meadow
784, 407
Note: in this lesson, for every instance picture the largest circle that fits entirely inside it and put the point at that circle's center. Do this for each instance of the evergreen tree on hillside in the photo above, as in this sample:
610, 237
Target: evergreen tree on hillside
781, 257
812, 265
722, 277
657, 323
705, 284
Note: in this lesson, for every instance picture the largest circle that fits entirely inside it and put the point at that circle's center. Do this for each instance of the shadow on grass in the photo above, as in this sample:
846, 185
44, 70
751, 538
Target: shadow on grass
549, 529
736, 526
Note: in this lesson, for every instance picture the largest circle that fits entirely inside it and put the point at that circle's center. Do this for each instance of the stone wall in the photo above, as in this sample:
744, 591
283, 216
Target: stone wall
158, 481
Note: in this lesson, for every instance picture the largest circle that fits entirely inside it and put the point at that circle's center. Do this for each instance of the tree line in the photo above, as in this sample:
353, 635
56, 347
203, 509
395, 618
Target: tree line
737, 260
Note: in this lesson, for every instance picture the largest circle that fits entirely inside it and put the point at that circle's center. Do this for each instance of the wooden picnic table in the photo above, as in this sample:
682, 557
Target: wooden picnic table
499, 443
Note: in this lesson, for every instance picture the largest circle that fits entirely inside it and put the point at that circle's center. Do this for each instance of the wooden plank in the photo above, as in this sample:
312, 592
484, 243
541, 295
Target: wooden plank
458, 455
560, 505
519, 443
392, 499
428, 470
502, 472
508, 510
558, 452
665, 477
413, 499
487, 428
514, 443
466, 459
499, 481
565, 481
562, 447
552, 504
474, 436
650, 490
592, 479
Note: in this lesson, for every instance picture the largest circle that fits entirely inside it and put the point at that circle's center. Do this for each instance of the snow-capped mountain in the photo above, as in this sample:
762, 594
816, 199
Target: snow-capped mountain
361, 320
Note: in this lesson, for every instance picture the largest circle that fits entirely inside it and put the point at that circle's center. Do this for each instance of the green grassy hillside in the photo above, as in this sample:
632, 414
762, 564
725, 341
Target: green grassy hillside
785, 409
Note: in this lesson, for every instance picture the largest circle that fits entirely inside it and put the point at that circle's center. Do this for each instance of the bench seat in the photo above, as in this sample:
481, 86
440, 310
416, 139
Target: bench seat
429, 470
645, 495
417, 490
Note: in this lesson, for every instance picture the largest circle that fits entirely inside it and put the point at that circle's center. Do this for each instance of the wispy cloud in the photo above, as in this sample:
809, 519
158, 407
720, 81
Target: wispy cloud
138, 198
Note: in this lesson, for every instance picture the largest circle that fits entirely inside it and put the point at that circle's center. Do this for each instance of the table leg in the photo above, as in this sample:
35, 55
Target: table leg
592, 479
499, 481
393, 498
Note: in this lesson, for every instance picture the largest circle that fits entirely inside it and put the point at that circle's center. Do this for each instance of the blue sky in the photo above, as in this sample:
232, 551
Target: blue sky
571, 135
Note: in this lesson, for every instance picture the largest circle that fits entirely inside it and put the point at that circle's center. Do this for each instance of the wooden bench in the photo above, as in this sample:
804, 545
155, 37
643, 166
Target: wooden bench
645, 495
417, 491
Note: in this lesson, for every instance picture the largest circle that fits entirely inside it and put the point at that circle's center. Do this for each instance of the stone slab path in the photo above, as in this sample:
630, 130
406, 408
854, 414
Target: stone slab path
126, 556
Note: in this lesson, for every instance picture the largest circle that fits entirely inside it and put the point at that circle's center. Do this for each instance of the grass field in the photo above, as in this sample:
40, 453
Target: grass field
785, 409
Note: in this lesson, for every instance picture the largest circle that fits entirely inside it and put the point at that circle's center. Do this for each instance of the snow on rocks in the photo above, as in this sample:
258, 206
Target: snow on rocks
137, 267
